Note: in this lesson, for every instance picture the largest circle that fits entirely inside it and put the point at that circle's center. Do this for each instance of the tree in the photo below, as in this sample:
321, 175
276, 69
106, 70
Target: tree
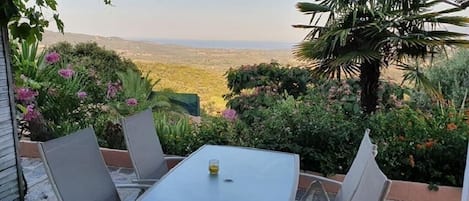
363, 36
26, 21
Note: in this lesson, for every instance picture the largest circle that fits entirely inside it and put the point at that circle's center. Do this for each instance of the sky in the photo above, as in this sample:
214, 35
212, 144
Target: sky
247, 20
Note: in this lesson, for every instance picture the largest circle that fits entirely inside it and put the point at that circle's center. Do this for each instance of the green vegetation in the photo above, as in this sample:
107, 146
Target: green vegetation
324, 125
275, 107
71, 87
209, 85
361, 37
272, 107
451, 76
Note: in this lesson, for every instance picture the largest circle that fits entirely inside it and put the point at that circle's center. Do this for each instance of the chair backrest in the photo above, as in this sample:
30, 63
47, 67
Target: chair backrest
366, 151
144, 146
465, 185
374, 185
76, 168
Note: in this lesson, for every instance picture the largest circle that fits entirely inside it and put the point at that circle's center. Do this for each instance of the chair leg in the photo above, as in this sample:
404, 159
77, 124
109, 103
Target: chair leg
315, 192
140, 192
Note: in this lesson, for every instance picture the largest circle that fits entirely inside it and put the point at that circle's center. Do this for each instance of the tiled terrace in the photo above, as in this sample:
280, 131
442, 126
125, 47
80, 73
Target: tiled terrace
39, 188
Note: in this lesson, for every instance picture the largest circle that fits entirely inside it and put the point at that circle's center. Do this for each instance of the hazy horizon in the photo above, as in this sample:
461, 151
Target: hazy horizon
237, 20
209, 20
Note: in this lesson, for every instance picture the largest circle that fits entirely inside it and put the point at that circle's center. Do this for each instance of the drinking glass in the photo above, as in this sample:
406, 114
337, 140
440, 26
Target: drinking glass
213, 166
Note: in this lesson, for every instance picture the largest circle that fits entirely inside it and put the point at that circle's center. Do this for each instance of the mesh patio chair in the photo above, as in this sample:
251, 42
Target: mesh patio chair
144, 147
366, 151
76, 169
465, 185
374, 185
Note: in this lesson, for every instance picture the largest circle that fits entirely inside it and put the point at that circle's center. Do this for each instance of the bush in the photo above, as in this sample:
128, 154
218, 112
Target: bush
451, 76
101, 65
422, 147
323, 136
259, 86
175, 133
180, 137
58, 94
346, 94
293, 80
55, 103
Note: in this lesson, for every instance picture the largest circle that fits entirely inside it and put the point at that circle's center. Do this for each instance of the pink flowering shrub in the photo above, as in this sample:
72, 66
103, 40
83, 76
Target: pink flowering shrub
82, 95
112, 89
31, 113
131, 102
52, 58
25, 94
66, 73
230, 114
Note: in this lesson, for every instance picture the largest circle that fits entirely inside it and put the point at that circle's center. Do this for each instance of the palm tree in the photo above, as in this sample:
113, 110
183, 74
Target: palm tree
363, 36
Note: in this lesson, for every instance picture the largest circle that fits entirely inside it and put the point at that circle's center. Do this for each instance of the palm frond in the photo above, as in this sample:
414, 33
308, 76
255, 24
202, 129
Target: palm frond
355, 57
460, 43
310, 8
324, 69
454, 20
439, 34
302, 26
414, 74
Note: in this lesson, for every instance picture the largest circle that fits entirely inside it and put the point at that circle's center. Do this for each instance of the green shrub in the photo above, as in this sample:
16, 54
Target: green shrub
58, 94
346, 94
260, 86
175, 133
180, 137
217, 130
324, 137
26, 60
451, 75
293, 80
105, 63
101, 65
417, 146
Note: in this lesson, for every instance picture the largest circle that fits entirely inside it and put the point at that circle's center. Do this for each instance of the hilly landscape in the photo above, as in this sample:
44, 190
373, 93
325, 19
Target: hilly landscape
214, 59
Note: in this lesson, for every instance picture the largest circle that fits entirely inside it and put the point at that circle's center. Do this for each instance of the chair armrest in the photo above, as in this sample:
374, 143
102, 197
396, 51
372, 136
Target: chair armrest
138, 186
172, 161
144, 181
312, 178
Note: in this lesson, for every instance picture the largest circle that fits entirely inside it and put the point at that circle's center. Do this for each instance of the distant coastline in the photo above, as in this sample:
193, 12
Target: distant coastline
221, 44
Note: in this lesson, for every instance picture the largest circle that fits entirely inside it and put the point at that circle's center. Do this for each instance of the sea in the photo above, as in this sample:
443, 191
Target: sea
224, 44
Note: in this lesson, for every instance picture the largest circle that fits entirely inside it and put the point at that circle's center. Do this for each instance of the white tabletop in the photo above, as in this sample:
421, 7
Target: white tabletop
257, 175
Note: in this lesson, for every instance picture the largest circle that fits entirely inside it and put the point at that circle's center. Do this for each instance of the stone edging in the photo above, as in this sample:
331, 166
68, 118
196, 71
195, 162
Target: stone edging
400, 190
112, 157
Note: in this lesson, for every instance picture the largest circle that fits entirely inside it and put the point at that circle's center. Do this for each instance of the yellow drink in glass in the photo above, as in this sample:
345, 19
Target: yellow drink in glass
213, 166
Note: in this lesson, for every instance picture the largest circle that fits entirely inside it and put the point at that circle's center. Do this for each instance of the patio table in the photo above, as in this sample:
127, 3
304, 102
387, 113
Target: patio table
245, 174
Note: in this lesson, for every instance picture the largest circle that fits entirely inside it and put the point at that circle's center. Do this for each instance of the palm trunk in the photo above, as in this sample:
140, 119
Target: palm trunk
369, 82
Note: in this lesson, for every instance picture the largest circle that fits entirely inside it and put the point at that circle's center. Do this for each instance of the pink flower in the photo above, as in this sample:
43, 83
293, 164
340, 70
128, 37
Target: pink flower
112, 89
52, 58
30, 113
131, 102
25, 94
66, 73
82, 95
230, 114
